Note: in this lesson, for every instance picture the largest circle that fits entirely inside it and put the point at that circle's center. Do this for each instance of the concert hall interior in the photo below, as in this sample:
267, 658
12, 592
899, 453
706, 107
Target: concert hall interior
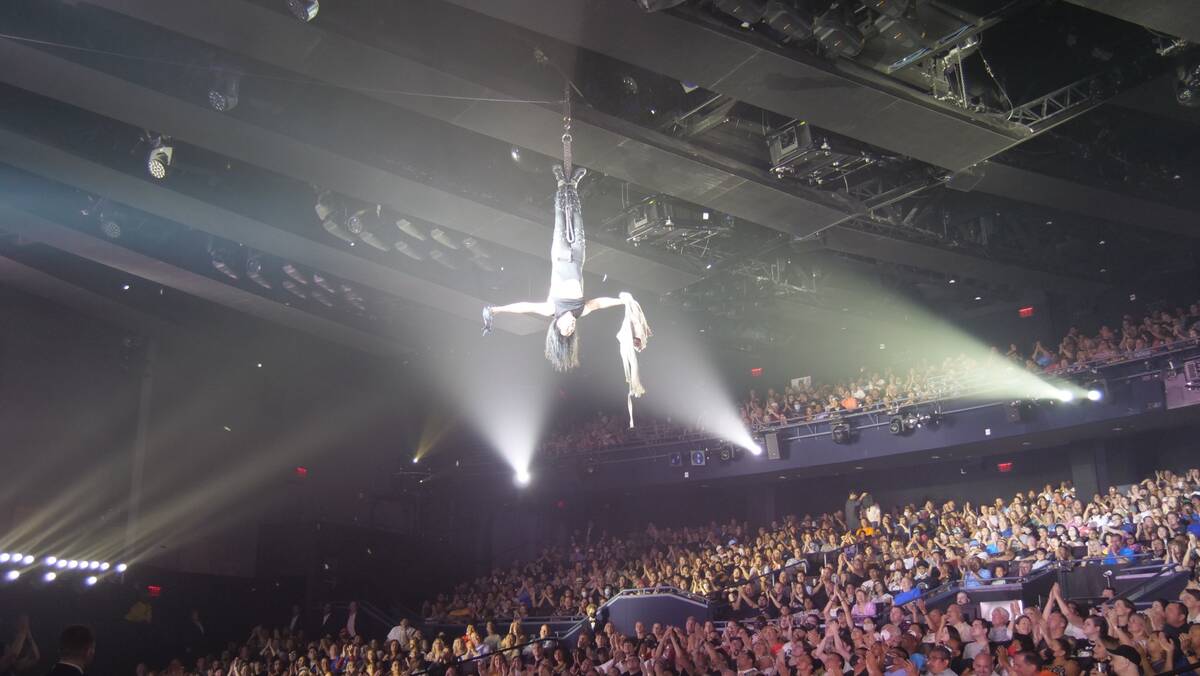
599, 337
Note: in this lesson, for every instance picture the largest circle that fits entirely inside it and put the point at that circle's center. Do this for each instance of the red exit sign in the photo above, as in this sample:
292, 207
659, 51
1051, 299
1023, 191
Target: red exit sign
1025, 312
756, 372
1004, 466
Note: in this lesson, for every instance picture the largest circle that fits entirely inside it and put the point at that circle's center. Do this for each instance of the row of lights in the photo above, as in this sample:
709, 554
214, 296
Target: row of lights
17, 558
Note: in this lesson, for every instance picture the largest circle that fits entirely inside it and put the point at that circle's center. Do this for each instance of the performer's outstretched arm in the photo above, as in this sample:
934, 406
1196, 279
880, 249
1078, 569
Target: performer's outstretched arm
544, 308
601, 303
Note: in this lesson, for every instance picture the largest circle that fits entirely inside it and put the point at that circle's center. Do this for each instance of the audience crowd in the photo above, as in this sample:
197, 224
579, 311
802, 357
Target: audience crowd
839, 593
886, 388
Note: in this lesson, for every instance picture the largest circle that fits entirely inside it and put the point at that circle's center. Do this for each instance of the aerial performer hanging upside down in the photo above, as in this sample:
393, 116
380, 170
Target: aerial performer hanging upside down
565, 302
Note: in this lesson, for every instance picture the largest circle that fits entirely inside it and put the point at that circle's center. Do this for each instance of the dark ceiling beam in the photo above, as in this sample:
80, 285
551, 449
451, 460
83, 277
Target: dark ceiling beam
654, 161
58, 165
64, 238
1173, 17
927, 257
38, 283
1024, 185
839, 96
47, 75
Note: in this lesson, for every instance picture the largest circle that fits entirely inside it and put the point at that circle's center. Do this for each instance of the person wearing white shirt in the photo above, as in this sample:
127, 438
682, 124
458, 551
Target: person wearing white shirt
402, 633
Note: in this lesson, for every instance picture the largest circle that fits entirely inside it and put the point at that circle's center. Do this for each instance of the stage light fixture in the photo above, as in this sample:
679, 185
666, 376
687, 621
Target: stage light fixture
746, 11
1064, 395
50, 577
305, 10
223, 95
121, 567
294, 272
222, 261
72, 564
323, 282
791, 22
322, 298
4, 557
294, 289
27, 559
254, 270
442, 258
841, 432
91, 581
104, 565
94, 565
837, 35
51, 560
12, 575
896, 425
1095, 395
408, 228
442, 237
110, 228
522, 477
62, 563
755, 449
158, 160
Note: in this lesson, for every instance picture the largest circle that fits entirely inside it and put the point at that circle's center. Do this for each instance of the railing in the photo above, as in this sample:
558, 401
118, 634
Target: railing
980, 384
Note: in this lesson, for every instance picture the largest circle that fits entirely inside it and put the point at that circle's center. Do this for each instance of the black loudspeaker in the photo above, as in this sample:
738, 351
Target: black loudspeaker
772, 439
1148, 393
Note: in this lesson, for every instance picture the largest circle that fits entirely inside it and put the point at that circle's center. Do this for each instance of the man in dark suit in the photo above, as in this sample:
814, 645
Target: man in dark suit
329, 623
76, 648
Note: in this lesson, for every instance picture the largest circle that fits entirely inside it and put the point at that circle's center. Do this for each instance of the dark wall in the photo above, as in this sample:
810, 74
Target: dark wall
224, 434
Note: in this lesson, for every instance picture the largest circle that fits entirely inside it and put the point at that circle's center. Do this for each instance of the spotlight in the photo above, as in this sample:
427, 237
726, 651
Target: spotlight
62, 563
416, 460
51, 560
90, 581
94, 565
442, 237
4, 557
1065, 395
12, 575
522, 477
322, 298
222, 260
754, 449
110, 228
1187, 84
254, 270
50, 577
294, 272
223, 96
896, 426
121, 567
841, 432
411, 230
305, 10
1095, 395
27, 559
104, 566
72, 564
323, 282
158, 160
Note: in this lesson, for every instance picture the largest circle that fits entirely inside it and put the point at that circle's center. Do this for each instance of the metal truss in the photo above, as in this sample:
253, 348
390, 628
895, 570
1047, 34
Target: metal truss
1059, 105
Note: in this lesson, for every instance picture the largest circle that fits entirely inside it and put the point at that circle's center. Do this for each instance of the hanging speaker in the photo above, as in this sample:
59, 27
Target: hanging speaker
772, 439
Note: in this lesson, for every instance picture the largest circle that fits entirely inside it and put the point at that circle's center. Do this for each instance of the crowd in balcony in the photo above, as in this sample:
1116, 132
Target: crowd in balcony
889, 388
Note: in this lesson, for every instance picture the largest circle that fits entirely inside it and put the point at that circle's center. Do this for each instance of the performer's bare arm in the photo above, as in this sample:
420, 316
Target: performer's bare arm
604, 302
545, 308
